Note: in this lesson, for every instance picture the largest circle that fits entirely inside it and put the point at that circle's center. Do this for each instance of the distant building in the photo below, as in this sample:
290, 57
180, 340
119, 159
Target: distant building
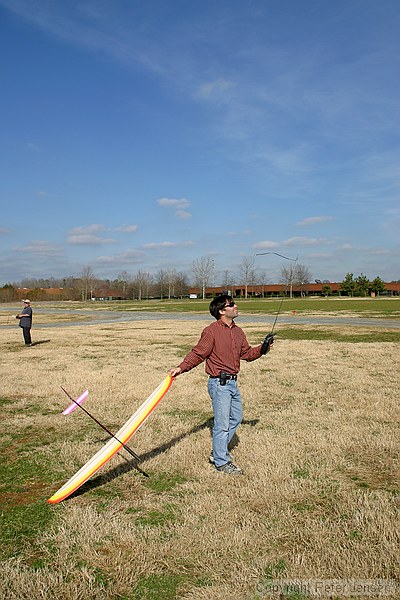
279, 289
106, 293
237, 291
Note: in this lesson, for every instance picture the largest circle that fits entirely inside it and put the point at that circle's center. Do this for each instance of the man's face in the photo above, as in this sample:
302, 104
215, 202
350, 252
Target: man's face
230, 310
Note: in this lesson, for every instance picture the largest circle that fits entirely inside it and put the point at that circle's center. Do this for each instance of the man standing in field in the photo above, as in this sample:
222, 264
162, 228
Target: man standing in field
222, 345
25, 321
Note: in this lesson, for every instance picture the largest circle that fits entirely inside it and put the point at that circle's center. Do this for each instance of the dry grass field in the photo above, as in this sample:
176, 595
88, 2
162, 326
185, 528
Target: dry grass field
319, 446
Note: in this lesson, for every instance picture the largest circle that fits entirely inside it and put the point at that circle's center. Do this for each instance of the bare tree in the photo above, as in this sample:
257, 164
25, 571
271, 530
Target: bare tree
180, 285
123, 281
88, 281
161, 282
172, 278
247, 272
228, 281
302, 277
177, 284
141, 284
287, 277
8, 293
262, 280
203, 271
73, 285
295, 274
164, 283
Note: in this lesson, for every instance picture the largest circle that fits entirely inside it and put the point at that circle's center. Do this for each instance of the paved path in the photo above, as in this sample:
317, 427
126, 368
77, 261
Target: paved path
96, 317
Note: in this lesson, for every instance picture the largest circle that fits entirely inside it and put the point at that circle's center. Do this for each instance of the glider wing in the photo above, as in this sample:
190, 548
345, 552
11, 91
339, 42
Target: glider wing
113, 445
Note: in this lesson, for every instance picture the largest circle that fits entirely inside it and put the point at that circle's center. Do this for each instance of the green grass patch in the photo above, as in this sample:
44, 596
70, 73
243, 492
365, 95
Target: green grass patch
274, 570
24, 511
4, 401
164, 482
13, 347
303, 506
18, 474
301, 473
30, 408
157, 587
21, 524
101, 579
30, 439
374, 307
157, 518
182, 349
204, 581
25, 478
105, 496
303, 333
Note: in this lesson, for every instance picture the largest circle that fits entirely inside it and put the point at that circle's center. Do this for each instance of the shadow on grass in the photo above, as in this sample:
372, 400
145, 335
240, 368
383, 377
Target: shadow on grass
101, 480
40, 342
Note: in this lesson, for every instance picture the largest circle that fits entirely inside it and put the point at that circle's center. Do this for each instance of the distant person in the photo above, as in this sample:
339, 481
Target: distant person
222, 345
25, 321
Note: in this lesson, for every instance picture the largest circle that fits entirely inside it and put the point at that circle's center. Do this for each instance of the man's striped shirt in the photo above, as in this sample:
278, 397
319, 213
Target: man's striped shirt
222, 347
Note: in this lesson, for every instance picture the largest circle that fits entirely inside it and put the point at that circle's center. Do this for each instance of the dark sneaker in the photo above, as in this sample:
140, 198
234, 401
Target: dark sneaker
230, 469
212, 461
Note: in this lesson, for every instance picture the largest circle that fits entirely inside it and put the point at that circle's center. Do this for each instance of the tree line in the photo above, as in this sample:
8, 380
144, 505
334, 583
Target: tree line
361, 285
168, 283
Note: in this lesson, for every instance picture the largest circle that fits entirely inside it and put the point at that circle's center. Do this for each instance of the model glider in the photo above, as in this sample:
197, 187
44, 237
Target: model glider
131, 452
75, 403
114, 444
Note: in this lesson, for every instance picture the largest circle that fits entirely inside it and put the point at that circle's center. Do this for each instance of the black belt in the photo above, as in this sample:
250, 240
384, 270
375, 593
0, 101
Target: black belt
227, 377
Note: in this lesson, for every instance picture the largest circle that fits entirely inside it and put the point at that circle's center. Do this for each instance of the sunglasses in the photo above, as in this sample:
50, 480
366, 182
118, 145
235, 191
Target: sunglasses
231, 304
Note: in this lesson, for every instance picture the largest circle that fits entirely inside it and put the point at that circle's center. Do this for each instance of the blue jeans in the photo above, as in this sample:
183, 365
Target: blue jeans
227, 407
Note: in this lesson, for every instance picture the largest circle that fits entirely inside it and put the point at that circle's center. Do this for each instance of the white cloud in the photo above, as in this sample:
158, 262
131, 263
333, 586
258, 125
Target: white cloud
87, 229
214, 89
88, 240
266, 245
293, 160
122, 259
178, 205
4, 230
126, 228
156, 245
314, 220
88, 234
320, 255
174, 202
305, 241
379, 252
183, 214
293, 241
41, 248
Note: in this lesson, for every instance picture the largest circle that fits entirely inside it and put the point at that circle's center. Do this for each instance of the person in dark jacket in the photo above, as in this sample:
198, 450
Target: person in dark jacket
25, 321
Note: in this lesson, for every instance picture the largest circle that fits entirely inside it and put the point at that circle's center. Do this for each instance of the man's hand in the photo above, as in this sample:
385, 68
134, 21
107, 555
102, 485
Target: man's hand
175, 372
267, 343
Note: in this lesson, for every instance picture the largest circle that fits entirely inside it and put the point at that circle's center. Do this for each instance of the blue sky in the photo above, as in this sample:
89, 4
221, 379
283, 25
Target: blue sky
147, 134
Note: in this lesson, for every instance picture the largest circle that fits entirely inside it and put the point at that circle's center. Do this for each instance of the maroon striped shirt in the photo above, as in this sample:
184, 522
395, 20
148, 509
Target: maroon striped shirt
222, 347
